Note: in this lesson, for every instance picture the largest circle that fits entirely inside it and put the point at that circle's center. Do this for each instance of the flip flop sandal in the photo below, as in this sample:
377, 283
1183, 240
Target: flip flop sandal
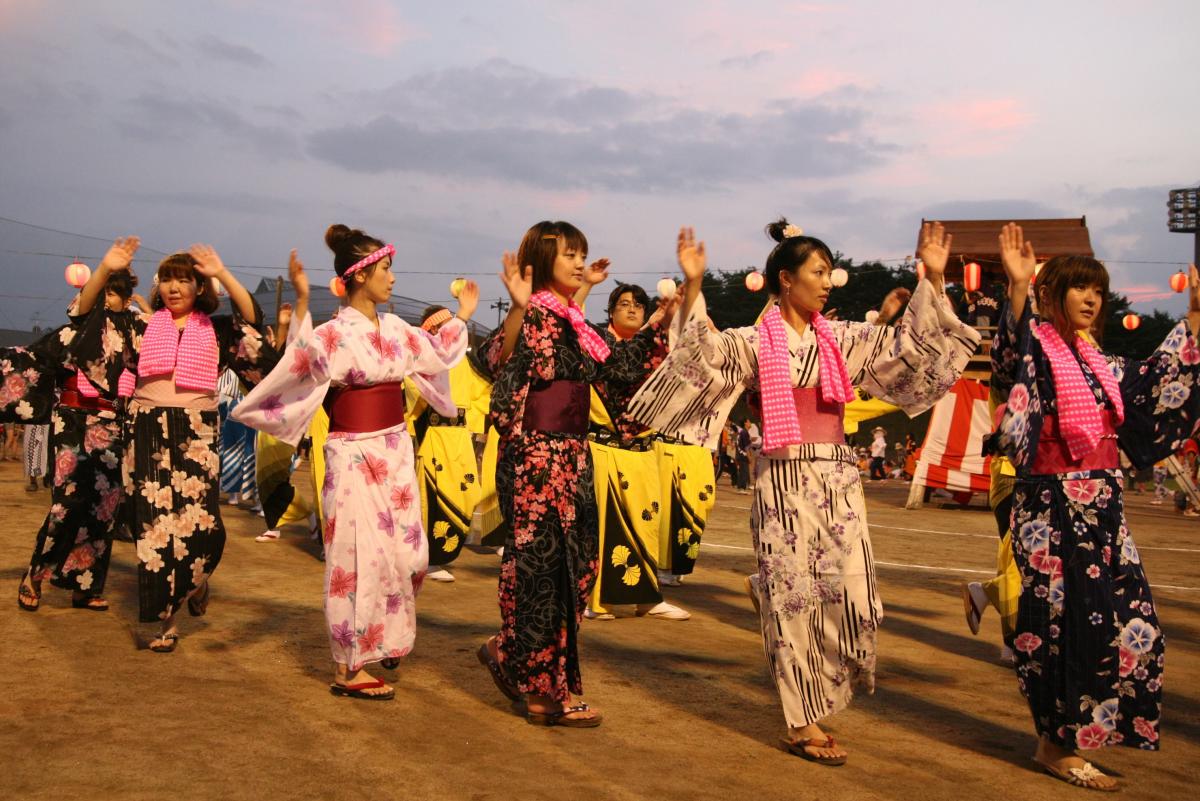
28, 598
973, 613
93, 603
360, 690
560, 718
267, 536
198, 604
1080, 777
503, 683
169, 641
797, 748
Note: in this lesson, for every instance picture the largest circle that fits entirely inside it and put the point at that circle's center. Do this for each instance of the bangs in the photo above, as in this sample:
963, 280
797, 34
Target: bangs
573, 238
1069, 271
179, 266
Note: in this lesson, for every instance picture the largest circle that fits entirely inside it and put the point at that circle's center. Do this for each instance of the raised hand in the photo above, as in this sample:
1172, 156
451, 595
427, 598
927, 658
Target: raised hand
209, 264
468, 300
934, 249
892, 304
1016, 254
285, 314
597, 272
297, 277
692, 260
665, 312
517, 280
120, 255
142, 304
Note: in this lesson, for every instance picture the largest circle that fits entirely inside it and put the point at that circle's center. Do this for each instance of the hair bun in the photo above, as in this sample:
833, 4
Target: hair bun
336, 236
775, 230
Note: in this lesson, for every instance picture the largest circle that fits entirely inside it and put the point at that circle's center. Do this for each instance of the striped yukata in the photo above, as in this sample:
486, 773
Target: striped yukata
238, 464
819, 604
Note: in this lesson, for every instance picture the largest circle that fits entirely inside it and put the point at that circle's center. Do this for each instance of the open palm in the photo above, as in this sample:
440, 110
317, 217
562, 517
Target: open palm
691, 256
517, 280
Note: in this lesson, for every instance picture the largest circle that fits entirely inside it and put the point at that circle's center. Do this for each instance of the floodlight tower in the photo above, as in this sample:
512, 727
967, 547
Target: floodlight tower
1183, 216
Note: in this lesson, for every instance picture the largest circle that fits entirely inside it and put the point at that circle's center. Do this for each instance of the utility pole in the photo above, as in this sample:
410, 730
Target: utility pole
501, 306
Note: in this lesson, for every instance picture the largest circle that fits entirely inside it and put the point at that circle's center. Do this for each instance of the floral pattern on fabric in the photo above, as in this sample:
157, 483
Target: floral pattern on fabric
615, 394
547, 496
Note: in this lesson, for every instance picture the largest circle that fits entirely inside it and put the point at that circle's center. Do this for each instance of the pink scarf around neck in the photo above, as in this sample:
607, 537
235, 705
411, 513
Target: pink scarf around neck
781, 424
1079, 419
190, 354
589, 340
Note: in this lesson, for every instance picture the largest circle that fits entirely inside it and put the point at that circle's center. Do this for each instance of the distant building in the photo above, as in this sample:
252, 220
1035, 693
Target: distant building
11, 338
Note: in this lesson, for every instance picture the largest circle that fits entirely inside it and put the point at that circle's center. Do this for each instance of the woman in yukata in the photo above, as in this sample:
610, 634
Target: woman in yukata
1089, 650
543, 361
354, 366
815, 589
171, 465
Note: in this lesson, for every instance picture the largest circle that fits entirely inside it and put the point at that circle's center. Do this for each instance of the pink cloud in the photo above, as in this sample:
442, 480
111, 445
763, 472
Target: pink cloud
820, 81
371, 26
975, 127
1142, 293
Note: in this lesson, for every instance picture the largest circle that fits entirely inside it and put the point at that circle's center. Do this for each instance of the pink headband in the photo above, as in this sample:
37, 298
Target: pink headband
367, 261
436, 319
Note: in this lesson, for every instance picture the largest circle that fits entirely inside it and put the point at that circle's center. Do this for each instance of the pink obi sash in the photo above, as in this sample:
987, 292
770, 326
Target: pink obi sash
820, 420
359, 410
1054, 455
559, 407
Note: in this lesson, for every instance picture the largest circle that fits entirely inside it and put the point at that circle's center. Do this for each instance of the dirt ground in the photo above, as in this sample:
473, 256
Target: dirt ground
242, 711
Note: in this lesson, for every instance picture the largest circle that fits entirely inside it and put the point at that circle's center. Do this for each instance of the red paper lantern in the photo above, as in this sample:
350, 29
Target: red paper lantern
337, 287
77, 274
972, 276
1179, 281
754, 281
1131, 321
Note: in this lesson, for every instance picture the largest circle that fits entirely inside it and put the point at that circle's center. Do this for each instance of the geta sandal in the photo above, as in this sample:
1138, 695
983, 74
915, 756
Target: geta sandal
501, 680
800, 748
28, 598
93, 603
1080, 777
167, 643
360, 690
561, 718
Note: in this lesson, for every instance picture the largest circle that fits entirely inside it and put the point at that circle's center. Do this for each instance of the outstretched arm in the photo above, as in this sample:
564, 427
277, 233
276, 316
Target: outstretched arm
211, 266
519, 282
1016, 254
117, 259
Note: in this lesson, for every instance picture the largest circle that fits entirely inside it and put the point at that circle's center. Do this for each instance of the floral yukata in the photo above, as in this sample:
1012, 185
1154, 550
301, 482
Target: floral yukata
171, 466
1088, 646
74, 544
820, 607
548, 499
375, 547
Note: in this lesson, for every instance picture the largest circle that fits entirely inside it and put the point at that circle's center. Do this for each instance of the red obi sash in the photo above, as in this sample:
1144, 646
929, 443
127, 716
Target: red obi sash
73, 398
1053, 455
560, 407
820, 420
358, 410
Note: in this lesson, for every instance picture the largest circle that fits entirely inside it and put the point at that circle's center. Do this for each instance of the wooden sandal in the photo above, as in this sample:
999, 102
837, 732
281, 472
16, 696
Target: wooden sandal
168, 643
28, 598
499, 677
360, 690
560, 718
800, 748
1080, 777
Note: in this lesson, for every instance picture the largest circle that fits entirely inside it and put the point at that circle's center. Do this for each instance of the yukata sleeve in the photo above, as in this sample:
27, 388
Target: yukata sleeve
1161, 398
106, 344
692, 392
243, 347
433, 356
29, 377
284, 401
915, 362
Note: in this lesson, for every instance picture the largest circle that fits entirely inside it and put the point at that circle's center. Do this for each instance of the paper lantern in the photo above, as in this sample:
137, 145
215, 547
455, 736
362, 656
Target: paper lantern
456, 287
920, 270
337, 287
872, 316
1179, 281
839, 277
666, 289
754, 281
972, 275
1131, 321
77, 274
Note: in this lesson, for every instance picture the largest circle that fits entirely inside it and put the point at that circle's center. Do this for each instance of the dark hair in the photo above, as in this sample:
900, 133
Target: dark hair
121, 284
539, 249
182, 265
1059, 274
430, 311
349, 246
639, 297
790, 253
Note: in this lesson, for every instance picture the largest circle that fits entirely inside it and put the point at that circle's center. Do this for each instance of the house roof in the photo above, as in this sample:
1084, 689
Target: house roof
978, 241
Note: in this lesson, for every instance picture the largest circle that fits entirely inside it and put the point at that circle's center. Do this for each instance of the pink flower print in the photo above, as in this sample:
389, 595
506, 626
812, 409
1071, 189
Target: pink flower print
394, 602
64, 465
327, 484
387, 523
301, 363
413, 340
414, 535
356, 377
1028, 642
15, 385
272, 407
342, 583
448, 335
1082, 490
1018, 399
108, 504
1129, 661
329, 529
330, 338
81, 558
376, 341
402, 497
1093, 571
391, 441
390, 349
1091, 736
1043, 562
342, 634
1189, 354
97, 438
374, 469
1146, 729
371, 639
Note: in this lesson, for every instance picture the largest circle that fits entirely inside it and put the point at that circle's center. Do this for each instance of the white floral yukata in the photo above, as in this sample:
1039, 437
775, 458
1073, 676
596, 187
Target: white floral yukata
820, 606
375, 546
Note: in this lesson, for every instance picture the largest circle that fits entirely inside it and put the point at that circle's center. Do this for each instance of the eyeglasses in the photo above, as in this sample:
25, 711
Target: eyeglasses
628, 304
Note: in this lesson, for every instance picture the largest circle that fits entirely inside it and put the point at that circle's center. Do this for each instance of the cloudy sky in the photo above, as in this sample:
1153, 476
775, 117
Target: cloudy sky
450, 128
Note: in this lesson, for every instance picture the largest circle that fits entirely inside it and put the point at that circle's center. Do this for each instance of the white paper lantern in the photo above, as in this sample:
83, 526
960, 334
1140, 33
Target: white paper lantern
839, 277
666, 289
872, 316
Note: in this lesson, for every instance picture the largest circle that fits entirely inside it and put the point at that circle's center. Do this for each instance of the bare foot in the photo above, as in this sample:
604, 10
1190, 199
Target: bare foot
1071, 768
345, 678
814, 733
